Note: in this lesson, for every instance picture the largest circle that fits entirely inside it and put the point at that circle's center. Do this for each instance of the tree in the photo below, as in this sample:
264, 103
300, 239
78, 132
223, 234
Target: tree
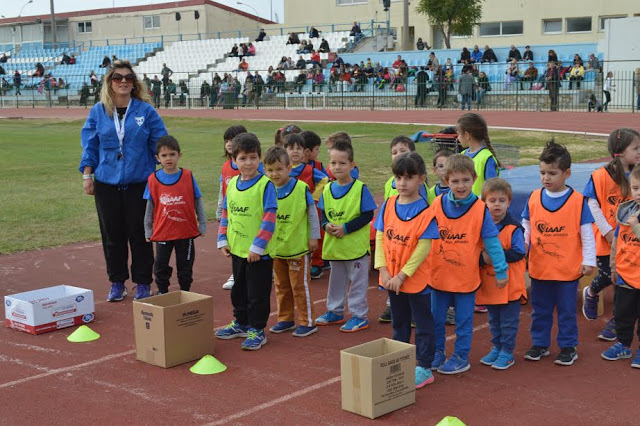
451, 16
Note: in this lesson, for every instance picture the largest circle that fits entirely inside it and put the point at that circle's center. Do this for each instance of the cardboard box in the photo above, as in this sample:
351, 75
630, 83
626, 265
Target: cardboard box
173, 328
48, 309
378, 377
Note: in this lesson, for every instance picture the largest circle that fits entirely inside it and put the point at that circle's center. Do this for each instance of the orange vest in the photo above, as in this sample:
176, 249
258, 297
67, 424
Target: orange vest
400, 240
453, 260
174, 212
228, 172
555, 252
489, 293
609, 196
628, 256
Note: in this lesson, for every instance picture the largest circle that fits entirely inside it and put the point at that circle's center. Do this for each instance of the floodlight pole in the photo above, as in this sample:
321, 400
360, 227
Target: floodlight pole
53, 25
406, 43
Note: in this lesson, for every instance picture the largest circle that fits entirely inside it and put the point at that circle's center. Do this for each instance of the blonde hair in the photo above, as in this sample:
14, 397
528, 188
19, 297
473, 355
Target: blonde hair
107, 95
459, 163
496, 185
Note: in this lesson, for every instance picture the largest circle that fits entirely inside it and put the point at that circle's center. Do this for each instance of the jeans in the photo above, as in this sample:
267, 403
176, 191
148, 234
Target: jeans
463, 304
403, 305
503, 321
545, 296
466, 100
479, 95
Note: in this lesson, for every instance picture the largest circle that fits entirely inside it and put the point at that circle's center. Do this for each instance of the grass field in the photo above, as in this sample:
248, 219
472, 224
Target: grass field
43, 203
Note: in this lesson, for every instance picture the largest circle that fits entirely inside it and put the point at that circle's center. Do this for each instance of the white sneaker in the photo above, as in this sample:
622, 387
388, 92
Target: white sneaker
229, 284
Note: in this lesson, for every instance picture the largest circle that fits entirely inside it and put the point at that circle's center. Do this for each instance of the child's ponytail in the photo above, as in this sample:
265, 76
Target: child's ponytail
478, 129
618, 141
487, 143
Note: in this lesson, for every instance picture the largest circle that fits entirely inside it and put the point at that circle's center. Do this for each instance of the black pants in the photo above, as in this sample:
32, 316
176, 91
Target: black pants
421, 96
251, 291
185, 254
121, 215
603, 279
627, 302
553, 96
607, 96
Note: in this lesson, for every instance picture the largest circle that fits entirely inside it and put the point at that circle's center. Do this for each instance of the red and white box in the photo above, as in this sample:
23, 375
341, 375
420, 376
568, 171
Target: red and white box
48, 309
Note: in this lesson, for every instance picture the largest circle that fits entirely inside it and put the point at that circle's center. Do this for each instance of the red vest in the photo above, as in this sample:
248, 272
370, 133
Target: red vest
174, 214
227, 173
306, 176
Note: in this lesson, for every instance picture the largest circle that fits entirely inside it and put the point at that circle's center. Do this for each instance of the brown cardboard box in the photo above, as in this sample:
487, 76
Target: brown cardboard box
173, 328
378, 377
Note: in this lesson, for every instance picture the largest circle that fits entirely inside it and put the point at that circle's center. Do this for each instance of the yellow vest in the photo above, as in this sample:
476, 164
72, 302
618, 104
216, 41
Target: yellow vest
479, 163
292, 226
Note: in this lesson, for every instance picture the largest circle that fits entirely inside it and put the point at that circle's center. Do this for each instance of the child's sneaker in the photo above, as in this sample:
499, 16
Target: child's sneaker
316, 272
636, 360
229, 284
491, 357
329, 318
504, 361
326, 266
451, 316
439, 359
480, 309
589, 305
385, 316
304, 331
355, 324
117, 293
255, 340
608, 333
567, 356
283, 326
424, 376
536, 352
616, 352
232, 331
142, 291
454, 365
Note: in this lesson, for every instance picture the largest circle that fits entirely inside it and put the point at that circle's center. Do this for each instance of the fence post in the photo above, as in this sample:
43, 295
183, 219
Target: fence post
162, 41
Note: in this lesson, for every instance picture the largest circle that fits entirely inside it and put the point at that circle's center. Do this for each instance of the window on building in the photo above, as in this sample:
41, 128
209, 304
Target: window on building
350, 2
552, 26
84, 27
488, 29
151, 22
604, 18
579, 25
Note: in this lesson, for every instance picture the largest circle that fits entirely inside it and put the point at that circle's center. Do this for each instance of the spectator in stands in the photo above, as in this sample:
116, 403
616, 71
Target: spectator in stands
4, 58
242, 50
113, 58
474, 71
302, 48
433, 63
347, 80
94, 78
368, 68
552, 78
251, 50
530, 74
514, 53
72, 60
594, 104
318, 81
283, 64
17, 82
397, 62
421, 80
261, 35
216, 84
184, 91
577, 59
483, 86
421, 45
488, 55
169, 90
313, 33
315, 59
309, 46
293, 39
157, 90
301, 63
465, 56
338, 61
166, 73
243, 65
593, 63
576, 74
65, 59
335, 78
106, 62
301, 80
290, 64
147, 82
39, 72
279, 80
60, 84
249, 90
2, 72
360, 80
552, 57
234, 50
512, 74
528, 54
84, 94
563, 72
324, 46
448, 72
467, 67
258, 84
441, 85
466, 87
205, 91
476, 55
356, 31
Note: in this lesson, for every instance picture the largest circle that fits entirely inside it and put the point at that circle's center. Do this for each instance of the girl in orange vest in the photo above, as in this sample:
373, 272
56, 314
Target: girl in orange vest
607, 188
404, 230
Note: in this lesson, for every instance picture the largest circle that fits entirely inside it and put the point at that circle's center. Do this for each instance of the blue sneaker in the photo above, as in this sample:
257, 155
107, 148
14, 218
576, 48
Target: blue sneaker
424, 376
232, 331
636, 360
316, 272
255, 340
117, 293
355, 324
504, 361
142, 291
491, 357
304, 331
454, 365
329, 318
608, 333
283, 326
616, 352
589, 305
438, 360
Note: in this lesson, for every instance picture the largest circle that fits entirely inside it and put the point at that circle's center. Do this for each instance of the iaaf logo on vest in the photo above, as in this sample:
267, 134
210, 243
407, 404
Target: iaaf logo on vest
391, 235
614, 200
546, 228
234, 208
629, 238
332, 214
446, 234
171, 200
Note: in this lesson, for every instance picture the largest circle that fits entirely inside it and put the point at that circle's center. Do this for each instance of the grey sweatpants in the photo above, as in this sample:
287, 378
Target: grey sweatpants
351, 276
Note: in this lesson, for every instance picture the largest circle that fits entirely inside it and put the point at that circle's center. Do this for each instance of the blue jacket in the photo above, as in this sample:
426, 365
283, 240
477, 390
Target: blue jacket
100, 144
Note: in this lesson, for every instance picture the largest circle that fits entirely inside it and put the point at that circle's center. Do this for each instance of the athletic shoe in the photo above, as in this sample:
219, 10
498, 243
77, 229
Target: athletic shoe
589, 305
326, 266
536, 352
329, 318
454, 365
424, 376
567, 356
636, 360
451, 316
255, 339
229, 284
316, 272
616, 352
385, 316
608, 333
491, 357
117, 293
438, 360
504, 361
304, 331
480, 309
142, 291
232, 331
355, 324
283, 326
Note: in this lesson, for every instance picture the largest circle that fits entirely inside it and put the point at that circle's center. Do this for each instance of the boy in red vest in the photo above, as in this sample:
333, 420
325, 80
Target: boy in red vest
175, 215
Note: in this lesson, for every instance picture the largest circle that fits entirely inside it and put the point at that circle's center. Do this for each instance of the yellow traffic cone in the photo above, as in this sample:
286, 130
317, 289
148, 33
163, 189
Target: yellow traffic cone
83, 334
451, 421
208, 365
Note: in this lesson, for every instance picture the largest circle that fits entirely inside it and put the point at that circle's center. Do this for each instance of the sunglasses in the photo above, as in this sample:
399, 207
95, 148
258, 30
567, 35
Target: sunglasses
119, 77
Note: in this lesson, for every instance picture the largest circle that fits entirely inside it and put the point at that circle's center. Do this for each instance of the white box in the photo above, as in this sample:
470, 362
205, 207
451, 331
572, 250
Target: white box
49, 309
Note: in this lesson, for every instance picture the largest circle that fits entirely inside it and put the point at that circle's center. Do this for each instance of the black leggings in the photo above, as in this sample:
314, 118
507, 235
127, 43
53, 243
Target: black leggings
627, 302
603, 279
607, 96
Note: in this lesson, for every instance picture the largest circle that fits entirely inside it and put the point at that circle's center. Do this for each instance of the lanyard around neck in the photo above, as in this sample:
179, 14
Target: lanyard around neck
120, 125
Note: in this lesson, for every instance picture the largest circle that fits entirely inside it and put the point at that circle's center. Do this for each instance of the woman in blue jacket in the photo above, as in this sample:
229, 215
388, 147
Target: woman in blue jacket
118, 154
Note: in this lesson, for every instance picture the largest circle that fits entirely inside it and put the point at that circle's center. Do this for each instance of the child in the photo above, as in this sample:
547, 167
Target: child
561, 249
594, 104
607, 88
173, 201
282, 132
439, 163
464, 224
625, 259
340, 137
503, 303
403, 271
247, 225
347, 208
314, 178
607, 188
297, 233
